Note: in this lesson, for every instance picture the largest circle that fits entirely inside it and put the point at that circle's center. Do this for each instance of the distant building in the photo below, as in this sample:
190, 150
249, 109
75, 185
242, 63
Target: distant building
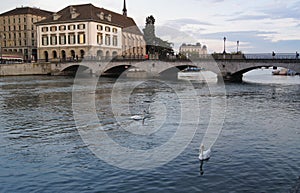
190, 50
86, 31
18, 32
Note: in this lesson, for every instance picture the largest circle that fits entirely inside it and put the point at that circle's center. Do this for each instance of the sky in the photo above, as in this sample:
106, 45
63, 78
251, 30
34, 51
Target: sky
260, 26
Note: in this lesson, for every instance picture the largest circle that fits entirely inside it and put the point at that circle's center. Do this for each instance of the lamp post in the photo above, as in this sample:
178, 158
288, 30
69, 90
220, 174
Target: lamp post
224, 52
237, 46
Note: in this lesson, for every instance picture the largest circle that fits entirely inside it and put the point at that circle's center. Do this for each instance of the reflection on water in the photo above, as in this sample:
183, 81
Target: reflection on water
42, 151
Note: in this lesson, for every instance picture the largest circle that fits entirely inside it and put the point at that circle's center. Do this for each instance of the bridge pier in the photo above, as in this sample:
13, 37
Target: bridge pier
228, 77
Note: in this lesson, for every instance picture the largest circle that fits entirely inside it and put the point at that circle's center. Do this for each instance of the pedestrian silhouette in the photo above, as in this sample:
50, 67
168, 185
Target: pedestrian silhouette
297, 55
273, 54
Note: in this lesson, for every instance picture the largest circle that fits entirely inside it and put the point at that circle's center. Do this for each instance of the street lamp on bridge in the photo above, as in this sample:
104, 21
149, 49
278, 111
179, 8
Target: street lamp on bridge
224, 52
237, 46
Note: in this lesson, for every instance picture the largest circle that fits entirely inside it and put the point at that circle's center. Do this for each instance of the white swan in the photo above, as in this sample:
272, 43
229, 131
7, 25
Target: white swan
137, 117
141, 117
204, 155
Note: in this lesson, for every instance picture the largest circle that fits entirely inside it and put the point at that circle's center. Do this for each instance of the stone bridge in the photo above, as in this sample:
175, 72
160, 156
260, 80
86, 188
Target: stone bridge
228, 70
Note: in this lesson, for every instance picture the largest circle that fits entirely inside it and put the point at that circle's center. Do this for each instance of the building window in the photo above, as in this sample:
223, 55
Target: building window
53, 40
71, 38
107, 29
32, 35
53, 28
32, 42
25, 27
44, 29
115, 40
115, 30
81, 26
107, 40
99, 27
62, 39
71, 27
100, 38
81, 38
62, 28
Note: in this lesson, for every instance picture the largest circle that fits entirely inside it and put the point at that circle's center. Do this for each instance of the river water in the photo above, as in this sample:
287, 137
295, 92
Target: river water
42, 149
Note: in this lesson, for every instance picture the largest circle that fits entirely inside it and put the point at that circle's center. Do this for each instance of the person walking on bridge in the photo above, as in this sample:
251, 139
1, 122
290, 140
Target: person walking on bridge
273, 54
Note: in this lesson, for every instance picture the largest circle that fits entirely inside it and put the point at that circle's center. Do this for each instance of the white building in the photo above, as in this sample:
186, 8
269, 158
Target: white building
196, 50
86, 31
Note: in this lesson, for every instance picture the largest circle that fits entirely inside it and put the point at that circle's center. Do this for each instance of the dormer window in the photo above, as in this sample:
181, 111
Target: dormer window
73, 13
108, 17
56, 16
101, 15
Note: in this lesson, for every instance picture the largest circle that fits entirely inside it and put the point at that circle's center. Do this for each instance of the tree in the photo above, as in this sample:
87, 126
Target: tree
155, 45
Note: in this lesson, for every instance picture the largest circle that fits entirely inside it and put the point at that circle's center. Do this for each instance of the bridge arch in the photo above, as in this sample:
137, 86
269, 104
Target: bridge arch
171, 71
116, 70
73, 69
237, 75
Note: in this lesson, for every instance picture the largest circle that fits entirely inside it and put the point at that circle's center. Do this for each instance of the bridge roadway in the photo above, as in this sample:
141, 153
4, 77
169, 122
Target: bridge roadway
227, 69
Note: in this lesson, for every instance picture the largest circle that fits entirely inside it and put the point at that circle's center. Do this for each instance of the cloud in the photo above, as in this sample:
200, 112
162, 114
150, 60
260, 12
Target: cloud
249, 17
212, 1
282, 10
184, 21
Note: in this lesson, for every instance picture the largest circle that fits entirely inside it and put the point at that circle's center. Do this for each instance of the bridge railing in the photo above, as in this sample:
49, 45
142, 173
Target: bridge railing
252, 56
270, 56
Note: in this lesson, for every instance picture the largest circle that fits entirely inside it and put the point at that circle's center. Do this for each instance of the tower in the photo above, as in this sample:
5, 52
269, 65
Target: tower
124, 9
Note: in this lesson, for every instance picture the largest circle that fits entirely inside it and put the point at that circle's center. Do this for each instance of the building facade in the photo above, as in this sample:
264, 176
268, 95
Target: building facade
190, 50
86, 31
18, 34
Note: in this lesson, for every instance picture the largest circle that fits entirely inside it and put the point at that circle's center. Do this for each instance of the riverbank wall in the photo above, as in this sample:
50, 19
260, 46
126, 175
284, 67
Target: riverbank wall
25, 69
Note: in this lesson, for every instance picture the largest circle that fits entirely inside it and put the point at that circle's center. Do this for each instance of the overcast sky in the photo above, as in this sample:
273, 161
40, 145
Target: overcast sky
261, 26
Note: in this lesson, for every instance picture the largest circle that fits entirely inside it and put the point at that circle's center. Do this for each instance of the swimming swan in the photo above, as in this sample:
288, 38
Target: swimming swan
141, 117
137, 117
204, 155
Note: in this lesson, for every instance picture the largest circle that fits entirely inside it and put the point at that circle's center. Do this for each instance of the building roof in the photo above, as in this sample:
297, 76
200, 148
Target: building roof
27, 10
88, 12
